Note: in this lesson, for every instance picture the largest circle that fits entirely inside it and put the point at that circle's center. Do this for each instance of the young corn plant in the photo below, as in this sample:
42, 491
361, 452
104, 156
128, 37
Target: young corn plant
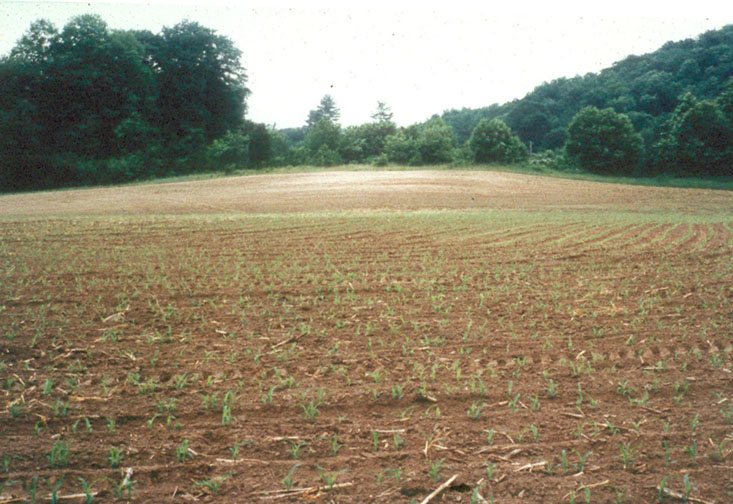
296, 447
183, 452
59, 456
474, 412
627, 455
435, 468
213, 484
288, 479
114, 458
328, 478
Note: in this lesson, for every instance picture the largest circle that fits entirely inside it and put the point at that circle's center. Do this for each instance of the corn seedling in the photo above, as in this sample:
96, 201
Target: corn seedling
296, 447
288, 479
114, 457
59, 456
335, 445
375, 440
87, 489
474, 412
435, 467
234, 450
183, 453
627, 455
213, 484
328, 478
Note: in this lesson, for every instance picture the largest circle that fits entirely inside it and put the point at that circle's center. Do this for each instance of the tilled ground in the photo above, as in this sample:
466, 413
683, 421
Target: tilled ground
539, 356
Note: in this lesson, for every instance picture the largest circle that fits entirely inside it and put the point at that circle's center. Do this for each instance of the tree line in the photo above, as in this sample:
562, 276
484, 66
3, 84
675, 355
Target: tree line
88, 105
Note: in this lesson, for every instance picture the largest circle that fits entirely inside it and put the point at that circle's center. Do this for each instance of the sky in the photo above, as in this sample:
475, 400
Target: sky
418, 61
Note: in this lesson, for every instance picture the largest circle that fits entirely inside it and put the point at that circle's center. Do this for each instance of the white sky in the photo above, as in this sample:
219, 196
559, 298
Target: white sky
418, 61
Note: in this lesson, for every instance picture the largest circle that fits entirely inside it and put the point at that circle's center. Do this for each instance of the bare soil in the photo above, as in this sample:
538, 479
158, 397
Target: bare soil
362, 337
363, 190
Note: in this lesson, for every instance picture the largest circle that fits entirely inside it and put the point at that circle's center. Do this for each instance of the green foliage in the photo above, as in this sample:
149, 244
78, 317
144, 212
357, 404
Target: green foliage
228, 152
281, 152
366, 142
383, 113
698, 137
436, 142
259, 145
201, 82
327, 109
403, 147
322, 143
493, 141
647, 88
90, 105
603, 141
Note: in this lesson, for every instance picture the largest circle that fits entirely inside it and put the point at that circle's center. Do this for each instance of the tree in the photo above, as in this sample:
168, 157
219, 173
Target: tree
34, 46
493, 141
323, 142
403, 146
201, 81
697, 138
326, 109
229, 152
604, 141
260, 149
366, 141
436, 142
383, 113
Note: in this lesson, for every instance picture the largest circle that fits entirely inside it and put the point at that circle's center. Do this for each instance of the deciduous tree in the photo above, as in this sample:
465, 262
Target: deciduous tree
604, 141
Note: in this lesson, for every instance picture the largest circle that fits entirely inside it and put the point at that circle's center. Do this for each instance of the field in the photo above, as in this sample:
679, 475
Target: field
359, 337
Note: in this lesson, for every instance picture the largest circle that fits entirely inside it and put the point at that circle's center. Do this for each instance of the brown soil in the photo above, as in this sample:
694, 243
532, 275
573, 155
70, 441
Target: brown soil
549, 339
364, 190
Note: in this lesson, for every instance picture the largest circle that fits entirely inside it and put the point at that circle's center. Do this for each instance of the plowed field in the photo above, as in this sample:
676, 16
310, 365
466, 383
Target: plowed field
364, 337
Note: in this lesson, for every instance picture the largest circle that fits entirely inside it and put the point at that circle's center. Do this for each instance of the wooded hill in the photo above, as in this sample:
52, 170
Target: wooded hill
646, 88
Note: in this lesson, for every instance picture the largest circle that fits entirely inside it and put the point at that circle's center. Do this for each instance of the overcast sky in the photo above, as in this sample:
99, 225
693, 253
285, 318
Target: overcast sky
418, 61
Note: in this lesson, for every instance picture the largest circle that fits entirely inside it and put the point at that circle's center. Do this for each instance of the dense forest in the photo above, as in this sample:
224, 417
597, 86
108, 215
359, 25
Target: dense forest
88, 105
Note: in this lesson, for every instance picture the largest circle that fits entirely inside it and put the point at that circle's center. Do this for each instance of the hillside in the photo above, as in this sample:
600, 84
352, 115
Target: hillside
647, 88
